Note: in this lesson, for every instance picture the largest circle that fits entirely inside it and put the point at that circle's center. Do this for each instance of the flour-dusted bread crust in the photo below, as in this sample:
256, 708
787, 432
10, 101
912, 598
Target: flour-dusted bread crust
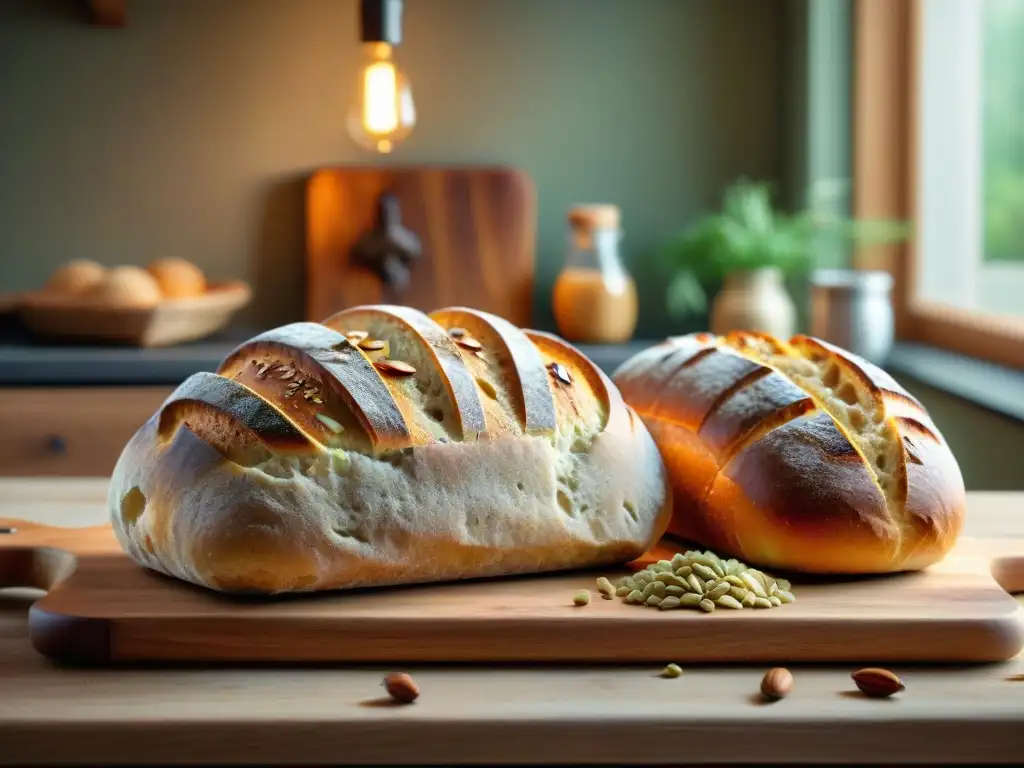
385, 446
796, 455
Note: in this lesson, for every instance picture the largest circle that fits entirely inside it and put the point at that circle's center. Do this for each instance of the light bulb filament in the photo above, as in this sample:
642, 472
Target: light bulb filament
380, 88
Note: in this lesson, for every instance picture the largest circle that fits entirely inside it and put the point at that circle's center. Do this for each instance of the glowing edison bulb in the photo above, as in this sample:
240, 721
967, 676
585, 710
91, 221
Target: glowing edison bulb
383, 112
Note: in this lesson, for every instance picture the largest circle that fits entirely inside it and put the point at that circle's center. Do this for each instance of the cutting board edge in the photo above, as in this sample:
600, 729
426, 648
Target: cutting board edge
71, 639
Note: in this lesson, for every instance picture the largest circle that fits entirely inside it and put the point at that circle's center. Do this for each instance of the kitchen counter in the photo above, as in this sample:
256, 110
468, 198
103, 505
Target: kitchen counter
478, 715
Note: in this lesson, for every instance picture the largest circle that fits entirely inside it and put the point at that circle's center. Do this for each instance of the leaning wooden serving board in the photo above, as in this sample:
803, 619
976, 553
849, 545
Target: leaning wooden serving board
476, 226
102, 607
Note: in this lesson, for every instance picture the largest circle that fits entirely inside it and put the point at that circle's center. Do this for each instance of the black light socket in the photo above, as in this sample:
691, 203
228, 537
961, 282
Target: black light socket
381, 21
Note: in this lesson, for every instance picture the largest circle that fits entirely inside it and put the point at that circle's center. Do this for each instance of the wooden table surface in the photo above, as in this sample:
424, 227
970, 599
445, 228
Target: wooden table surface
485, 714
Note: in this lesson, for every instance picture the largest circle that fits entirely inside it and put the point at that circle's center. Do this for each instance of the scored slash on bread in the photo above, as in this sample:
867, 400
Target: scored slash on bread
392, 447
796, 454
416, 339
220, 411
331, 367
520, 381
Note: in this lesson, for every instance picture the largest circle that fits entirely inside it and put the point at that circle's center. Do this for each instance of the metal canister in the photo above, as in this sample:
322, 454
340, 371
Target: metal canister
853, 309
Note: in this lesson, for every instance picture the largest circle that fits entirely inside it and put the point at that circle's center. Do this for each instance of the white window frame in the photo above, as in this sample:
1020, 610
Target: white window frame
950, 237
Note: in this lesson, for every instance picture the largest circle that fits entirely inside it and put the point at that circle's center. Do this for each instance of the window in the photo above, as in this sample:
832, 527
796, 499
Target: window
939, 139
970, 170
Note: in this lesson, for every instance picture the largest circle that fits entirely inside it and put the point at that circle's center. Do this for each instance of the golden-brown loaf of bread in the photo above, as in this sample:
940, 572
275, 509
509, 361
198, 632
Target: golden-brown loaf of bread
796, 455
386, 446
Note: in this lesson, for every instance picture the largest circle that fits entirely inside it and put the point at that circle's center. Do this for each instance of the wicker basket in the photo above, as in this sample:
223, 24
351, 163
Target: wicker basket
172, 321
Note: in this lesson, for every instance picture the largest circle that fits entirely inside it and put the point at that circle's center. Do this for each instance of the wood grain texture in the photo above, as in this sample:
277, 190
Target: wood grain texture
477, 226
486, 714
70, 431
105, 608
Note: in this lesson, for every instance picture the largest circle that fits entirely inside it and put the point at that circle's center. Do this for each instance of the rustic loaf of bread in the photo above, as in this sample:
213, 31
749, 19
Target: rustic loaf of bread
386, 446
796, 455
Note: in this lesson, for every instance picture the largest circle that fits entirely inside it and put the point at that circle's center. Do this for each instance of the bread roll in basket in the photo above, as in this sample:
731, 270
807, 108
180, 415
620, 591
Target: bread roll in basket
796, 455
386, 446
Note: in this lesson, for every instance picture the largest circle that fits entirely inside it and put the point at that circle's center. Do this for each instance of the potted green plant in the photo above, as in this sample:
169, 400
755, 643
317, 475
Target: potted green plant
750, 247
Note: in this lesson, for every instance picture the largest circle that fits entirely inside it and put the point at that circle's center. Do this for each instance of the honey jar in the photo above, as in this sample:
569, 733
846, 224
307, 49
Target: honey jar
595, 298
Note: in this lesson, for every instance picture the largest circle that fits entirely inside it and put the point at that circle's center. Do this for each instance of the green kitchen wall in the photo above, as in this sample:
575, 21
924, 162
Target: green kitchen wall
190, 132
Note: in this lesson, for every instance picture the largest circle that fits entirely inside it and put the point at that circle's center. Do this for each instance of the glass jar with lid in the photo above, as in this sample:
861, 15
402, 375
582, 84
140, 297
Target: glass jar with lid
595, 298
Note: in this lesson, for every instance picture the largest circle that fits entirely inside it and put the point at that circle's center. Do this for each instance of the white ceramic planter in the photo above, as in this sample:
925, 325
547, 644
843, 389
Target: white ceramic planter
754, 301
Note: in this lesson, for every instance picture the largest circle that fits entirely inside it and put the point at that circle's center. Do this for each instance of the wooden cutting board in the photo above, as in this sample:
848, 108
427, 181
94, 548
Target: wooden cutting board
101, 607
476, 226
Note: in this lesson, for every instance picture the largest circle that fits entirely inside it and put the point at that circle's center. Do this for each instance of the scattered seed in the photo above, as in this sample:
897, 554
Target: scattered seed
753, 584
288, 373
581, 598
371, 345
695, 584
668, 603
728, 601
716, 592
605, 588
702, 580
669, 579
672, 670
356, 336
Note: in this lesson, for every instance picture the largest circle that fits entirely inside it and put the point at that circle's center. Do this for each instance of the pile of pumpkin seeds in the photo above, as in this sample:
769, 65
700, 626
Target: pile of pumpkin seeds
696, 579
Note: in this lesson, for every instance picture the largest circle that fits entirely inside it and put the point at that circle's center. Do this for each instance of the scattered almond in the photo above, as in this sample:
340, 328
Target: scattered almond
356, 336
369, 345
395, 367
877, 683
777, 683
401, 687
456, 333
